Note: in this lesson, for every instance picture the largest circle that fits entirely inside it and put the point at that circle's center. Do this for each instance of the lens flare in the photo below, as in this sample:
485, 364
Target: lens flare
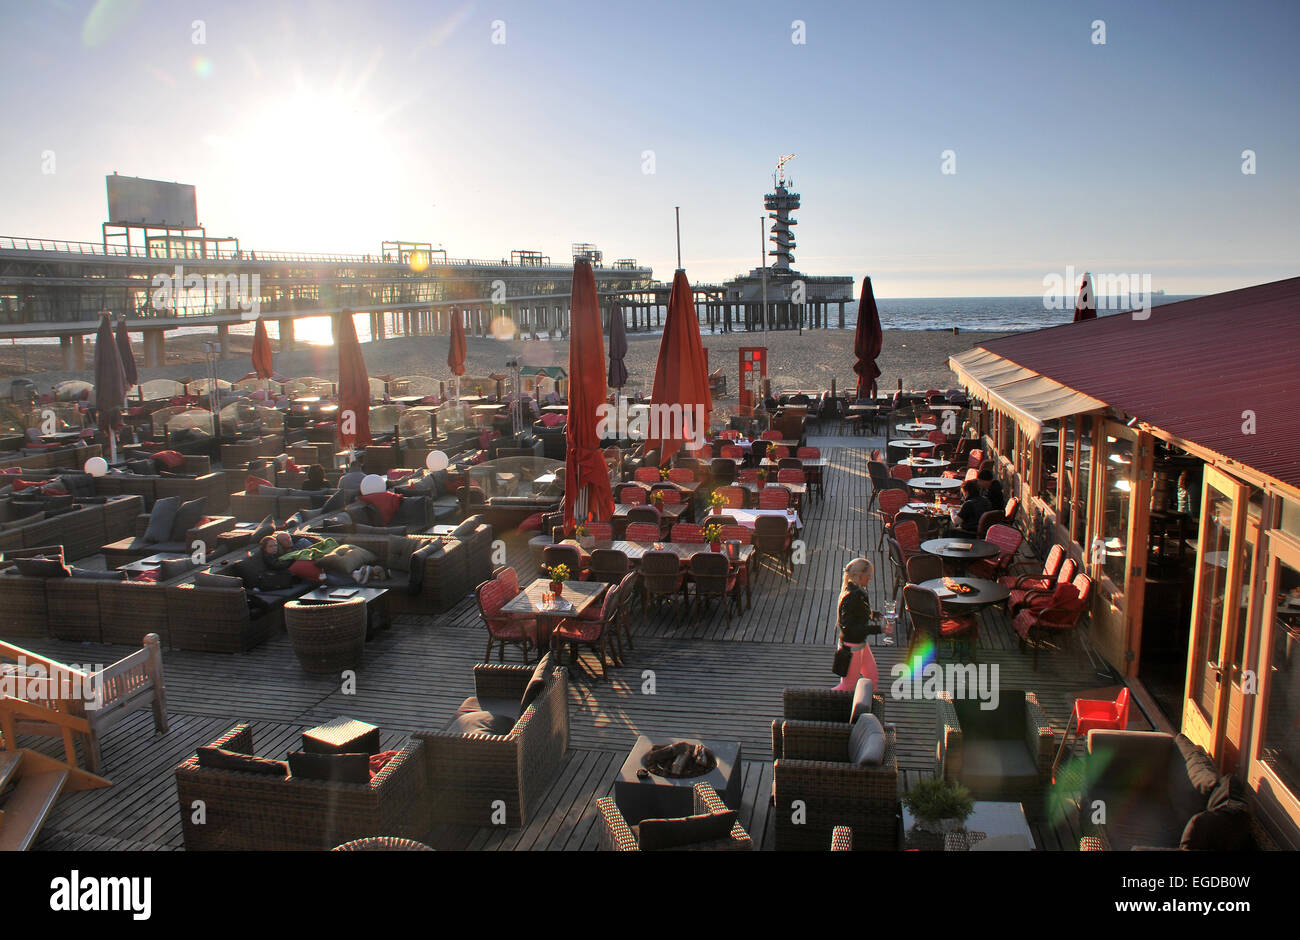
201, 66
503, 328
418, 261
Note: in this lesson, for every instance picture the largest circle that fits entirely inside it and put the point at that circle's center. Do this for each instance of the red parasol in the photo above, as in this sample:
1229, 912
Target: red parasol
867, 342
129, 372
587, 492
682, 374
354, 386
262, 350
456, 354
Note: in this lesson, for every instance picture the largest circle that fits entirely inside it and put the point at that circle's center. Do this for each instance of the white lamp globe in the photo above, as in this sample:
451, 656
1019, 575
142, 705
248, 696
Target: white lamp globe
436, 461
96, 466
373, 483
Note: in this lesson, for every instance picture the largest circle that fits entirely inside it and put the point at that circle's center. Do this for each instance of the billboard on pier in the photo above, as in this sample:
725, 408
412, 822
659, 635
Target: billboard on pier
136, 201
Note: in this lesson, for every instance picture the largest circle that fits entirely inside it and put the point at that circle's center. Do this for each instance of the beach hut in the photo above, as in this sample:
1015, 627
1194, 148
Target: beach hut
1167, 465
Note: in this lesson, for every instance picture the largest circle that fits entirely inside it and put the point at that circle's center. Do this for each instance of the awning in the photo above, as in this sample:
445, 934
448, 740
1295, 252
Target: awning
553, 372
1026, 397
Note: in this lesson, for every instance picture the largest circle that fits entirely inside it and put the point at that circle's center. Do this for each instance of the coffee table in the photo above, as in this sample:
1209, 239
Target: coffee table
960, 557
376, 603
342, 736
153, 561
656, 797
1005, 822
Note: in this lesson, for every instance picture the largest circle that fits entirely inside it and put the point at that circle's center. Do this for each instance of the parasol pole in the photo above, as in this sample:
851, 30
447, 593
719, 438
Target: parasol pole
678, 211
762, 261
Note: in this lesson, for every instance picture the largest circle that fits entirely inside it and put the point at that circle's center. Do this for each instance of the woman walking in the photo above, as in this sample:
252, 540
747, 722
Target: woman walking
856, 624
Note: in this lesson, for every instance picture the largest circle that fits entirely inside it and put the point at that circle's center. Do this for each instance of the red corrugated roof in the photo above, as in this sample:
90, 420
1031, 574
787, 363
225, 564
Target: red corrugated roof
1191, 369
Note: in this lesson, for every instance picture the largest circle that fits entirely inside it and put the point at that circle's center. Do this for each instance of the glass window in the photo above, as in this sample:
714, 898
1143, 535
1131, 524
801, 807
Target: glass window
1207, 623
1117, 493
1280, 747
1068, 437
1083, 493
1049, 455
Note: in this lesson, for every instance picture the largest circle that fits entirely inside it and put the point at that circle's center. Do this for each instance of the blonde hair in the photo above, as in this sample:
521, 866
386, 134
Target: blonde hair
856, 564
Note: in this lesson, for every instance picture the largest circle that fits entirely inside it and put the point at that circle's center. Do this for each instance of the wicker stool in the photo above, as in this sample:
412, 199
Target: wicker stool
382, 844
327, 638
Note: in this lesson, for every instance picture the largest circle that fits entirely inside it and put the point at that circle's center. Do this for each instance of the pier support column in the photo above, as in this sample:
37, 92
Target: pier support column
285, 328
841, 314
223, 339
154, 348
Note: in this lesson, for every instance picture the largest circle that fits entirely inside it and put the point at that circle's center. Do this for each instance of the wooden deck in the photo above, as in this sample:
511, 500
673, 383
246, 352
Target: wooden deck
703, 679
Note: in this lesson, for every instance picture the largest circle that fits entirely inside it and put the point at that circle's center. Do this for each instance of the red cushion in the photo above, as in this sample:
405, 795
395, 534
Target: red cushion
307, 570
952, 626
20, 485
532, 524
387, 504
380, 760
150, 575
169, 458
251, 484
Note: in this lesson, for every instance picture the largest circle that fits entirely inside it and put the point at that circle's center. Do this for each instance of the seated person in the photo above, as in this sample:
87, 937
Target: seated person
314, 479
351, 481
991, 486
966, 519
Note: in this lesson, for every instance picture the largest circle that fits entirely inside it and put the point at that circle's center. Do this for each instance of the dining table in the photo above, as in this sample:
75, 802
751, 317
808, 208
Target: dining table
941, 485
954, 550
635, 551
530, 604
982, 593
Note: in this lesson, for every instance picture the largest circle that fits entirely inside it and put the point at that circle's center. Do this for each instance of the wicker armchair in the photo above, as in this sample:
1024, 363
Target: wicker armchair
1000, 753
842, 839
466, 774
815, 769
617, 836
258, 812
327, 638
817, 705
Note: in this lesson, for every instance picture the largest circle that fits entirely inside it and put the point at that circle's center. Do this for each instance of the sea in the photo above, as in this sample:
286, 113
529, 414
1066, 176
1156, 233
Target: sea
970, 314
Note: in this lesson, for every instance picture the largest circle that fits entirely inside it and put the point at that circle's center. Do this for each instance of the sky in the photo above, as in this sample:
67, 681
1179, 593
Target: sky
485, 127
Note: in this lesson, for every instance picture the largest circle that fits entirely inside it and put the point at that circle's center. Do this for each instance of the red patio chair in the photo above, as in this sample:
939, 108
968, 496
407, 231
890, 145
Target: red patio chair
681, 475
901, 471
808, 453
600, 531
975, 459
646, 475
593, 628
747, 475
671, 494
632, 495
737, 533
1037, 592
790, 475
772, 436
730, 434
644, 532
1041, 581
887, 506
1093, 714
908, 536
1008, 542
937, 437
491, 596
774, 497
734, 495
1064, 611
705, 453
687, 532
778, 452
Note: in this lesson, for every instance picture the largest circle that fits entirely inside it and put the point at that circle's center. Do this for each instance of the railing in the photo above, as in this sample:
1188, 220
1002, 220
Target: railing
10, 243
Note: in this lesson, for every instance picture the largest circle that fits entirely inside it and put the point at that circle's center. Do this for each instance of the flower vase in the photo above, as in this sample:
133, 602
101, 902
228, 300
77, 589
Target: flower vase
715, 546
717, 510
557, 588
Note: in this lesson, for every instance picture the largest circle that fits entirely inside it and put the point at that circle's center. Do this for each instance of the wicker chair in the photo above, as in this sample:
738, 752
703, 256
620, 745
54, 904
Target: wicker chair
617, 836
661, 576
817, 705
467, 774
608, 565
930, 622
814, 769
259, 812
597, 627
772, 537
327, 638
712, 576
1000, 753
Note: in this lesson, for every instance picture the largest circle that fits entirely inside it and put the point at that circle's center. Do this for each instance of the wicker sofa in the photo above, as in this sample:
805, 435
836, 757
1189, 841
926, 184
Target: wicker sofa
261, 812
814, 768
466, 774
617, 836
999, 753
817, 705
81, 527
126, 550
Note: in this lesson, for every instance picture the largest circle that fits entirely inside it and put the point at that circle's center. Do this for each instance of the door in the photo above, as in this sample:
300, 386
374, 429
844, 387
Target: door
1221, 552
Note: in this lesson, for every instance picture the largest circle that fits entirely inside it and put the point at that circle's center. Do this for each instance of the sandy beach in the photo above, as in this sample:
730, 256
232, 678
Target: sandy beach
919, 358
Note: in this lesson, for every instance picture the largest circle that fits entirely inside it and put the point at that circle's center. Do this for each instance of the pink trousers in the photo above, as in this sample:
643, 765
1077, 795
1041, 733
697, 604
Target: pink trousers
862, 664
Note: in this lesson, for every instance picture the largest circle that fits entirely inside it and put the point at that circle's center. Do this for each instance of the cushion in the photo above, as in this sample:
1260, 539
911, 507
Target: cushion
41, 567
658, 834
1192, 777
162, 518
336, 502
94, 574
20, 485
346, 559
361, 529
252, 484
536, 684
208, 579
480, 722
188, 517
171, 459
218, 758
174, 568
264, 528
335, 768
532, 524
862, 694
249, 570
867, 742
1224, 825
379, 761
142, 467
307, 570
385, 503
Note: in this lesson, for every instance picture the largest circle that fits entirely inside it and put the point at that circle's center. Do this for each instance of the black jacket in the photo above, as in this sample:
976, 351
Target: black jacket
855, 615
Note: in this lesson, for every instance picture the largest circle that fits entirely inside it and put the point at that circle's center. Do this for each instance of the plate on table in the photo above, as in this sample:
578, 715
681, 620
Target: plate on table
961, 546
344, 593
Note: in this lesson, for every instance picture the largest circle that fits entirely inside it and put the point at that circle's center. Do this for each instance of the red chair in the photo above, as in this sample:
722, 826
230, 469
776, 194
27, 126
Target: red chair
908, 537
975, 459
687, 532
772, 436
1008, 542
646, 532
593, 628
790, 475
1093, 714
600, 531
1064, 610
887, 506
737, 533
971, 474
1041, 581
808, 453
491, 596
734, 495
632, 495
774, 497
1037, 592
901, 471
730, 434
778, 452
747, 475
705, 453
646, 475
681, 475
732, 452
930, 621
1011, 512
671, 494
937, 437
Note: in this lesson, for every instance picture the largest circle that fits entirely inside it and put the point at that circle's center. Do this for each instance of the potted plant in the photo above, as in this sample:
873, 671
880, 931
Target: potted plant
559, 574
663, 473
713, 535
762, 476
657, 498
585, 539
717, 501
939, 806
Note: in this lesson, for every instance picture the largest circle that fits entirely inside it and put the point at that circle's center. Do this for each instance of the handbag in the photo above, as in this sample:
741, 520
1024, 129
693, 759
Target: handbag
843, 656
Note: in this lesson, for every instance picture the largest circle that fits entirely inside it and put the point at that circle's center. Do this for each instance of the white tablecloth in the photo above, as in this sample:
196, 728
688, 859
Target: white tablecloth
746, 517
